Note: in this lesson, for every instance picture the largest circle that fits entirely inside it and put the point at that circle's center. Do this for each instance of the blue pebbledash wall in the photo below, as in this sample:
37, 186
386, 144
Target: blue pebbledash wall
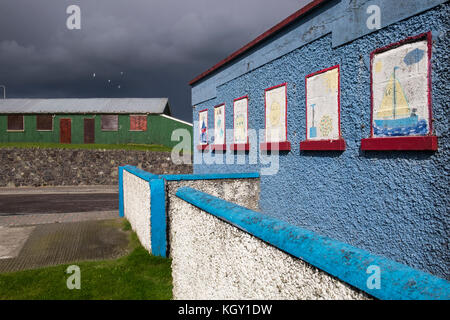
393, 204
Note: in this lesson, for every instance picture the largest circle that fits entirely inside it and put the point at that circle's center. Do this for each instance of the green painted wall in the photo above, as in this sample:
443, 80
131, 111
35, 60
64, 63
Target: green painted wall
159, 130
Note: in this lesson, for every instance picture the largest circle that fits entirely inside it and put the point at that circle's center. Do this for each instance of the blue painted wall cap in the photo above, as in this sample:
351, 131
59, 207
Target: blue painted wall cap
180, 177
348, 263
158, 221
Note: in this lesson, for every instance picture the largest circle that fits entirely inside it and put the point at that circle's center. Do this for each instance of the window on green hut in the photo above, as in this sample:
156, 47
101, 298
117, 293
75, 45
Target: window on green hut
15, 122
110, 122
138, 123
44, 122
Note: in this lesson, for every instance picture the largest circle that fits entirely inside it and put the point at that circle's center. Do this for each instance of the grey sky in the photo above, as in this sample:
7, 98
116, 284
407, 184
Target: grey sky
159, 45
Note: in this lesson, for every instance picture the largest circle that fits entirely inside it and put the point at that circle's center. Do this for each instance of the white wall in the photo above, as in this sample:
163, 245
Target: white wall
212, 259
136, 199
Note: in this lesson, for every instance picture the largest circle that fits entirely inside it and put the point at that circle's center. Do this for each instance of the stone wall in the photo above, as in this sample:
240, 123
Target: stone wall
54, 167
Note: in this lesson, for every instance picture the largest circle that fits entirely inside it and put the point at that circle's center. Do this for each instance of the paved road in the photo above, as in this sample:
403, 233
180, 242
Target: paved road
26, 201
57, 203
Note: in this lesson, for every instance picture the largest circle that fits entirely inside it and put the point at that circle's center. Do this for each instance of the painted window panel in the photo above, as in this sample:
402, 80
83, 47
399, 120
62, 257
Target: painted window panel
276, 109
400, 90
240, 108
44, 122
203, 127
15, 122
138, 123
110, 122
219, 125
322, 105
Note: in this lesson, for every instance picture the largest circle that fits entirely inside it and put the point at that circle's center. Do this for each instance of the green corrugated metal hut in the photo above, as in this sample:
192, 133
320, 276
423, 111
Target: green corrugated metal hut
78, 121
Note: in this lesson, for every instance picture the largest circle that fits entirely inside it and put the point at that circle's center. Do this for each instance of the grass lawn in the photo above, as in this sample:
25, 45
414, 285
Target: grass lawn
140, 147
137, 275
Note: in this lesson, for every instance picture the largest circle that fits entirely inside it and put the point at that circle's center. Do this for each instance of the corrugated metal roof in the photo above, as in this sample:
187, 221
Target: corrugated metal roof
75, 105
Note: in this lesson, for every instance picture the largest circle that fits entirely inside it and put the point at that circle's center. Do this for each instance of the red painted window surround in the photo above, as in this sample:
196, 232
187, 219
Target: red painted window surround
323, 145
202, 147
282, 145
276, 146
417, 143
240, 147
218, 147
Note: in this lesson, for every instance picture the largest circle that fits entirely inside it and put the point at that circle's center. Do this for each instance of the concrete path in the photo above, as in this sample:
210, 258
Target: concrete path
61, 243
36, 219
56, 225
12, 241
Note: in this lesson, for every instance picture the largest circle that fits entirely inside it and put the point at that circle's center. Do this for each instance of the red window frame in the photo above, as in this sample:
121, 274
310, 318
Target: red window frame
240, 146
326, 144
200, 146
428, 142
275, 146
219, 147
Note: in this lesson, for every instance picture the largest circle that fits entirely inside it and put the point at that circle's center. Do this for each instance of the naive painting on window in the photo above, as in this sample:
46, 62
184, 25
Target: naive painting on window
219, 124
276, 108
240, 107
400, 90
322, 105
203, 126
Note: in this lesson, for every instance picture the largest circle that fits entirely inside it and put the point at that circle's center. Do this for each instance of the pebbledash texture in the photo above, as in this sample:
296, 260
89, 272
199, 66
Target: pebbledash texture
237, 265
57, 167
212, 259
137, 207
243, 192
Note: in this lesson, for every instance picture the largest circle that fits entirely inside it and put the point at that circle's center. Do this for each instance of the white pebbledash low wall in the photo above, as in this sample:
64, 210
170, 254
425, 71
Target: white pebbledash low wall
222, 248
136, 206
145, 198
211, 259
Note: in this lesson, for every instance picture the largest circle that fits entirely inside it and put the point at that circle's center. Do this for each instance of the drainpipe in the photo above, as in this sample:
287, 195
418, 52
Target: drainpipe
4, 91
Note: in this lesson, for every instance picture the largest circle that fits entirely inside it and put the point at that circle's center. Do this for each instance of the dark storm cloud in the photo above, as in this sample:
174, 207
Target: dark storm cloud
159, 45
